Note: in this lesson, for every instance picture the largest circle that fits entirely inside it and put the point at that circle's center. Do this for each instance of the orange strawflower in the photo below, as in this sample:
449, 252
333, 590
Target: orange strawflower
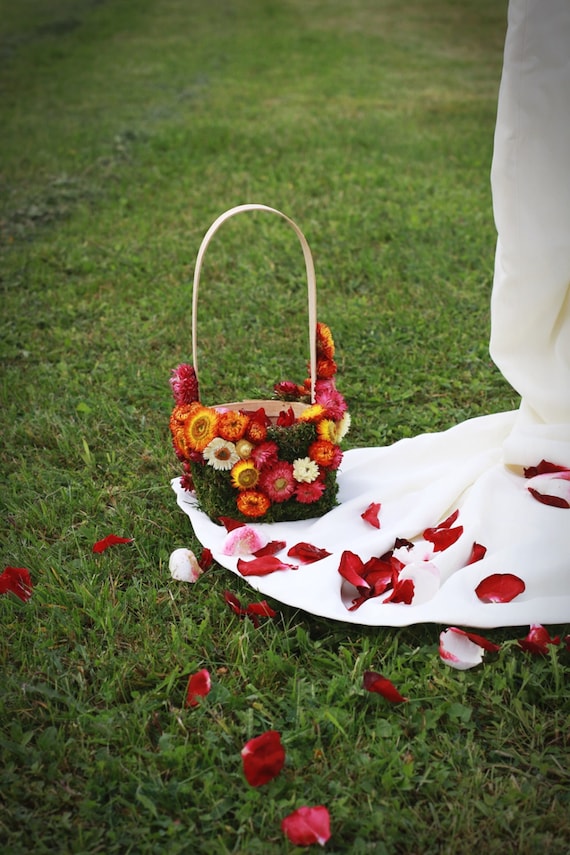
200, 427
232, 426
244, 475
325, 343
326, 368
314, 413
252, 503
325, 453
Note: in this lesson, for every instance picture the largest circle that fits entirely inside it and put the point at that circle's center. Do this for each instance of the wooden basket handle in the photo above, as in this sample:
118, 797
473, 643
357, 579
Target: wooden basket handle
311, 283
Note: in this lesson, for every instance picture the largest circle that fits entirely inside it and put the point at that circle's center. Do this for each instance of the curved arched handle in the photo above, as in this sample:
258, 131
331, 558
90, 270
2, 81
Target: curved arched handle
311, 283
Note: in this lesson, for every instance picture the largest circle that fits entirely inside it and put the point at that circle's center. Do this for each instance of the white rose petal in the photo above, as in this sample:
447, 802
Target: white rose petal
183, 566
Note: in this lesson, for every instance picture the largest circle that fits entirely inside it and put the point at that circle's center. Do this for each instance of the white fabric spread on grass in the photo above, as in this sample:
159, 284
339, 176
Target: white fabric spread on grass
477, 466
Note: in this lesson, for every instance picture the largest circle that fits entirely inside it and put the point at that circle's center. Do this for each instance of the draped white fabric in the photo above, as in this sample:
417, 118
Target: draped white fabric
477, 466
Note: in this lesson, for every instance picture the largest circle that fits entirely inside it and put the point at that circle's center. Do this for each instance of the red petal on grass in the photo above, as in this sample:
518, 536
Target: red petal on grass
537, 640
375, 682
546, 499
229, 523
351, 567
16, 580
545, 467
270, 549
499, 588
233, 603
110, 540
442, 537
477, 553
206, 559
263, 758
306, 553
307, 825
403, 592
370, 515
261, 609
263, 566
490, 646
199, 685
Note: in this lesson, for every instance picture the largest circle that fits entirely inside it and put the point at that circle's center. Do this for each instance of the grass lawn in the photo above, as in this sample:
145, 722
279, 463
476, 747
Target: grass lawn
126, 129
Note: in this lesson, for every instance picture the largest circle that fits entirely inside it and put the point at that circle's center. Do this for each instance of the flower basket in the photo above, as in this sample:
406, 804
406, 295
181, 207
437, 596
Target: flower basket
266, 460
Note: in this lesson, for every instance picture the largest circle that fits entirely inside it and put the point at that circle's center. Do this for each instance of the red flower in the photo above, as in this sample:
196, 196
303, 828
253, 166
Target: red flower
287, 390
263, 758
537, 640
307, 825
306, 553
374, 682
370, 515
184, 385
499, 588
309, 493
16, 580
110, 540
199, 685
262, 566
286, 418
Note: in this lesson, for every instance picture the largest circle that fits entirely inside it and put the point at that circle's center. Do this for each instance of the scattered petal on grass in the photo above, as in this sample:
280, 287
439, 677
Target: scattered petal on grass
306, 553
206, 559
243, 540
184, 566
263, 758
462, 650
307, 825
374, 682
16, 580
263, 566
371, 513
499, 588
199, 685
110, 540
253, 611
478, 552
537, 640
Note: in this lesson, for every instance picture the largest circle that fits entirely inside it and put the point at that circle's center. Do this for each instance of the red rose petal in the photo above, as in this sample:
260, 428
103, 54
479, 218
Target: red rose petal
306, 553
537, 640
110, 540
270, 548
477, 553
546, 499
233, 603
199, 685
16, 580
229, 523
375, 682
263, 566
350, 568
490, 646
307, 825
206, 559
442, 537
545, 467
263, 758
370, 515
261, 609
499, 588
403, 592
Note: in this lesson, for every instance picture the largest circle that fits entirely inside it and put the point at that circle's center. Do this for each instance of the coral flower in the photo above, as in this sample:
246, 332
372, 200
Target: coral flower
252, 503
232, 426
278, 482
305, 470
314, 413
245, 475
221, 454
325, 342
325, 453
200, 427
309, 493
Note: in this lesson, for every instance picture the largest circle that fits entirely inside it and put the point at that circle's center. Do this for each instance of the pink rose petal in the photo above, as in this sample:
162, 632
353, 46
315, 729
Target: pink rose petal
499, 588
199, 685
184, 566
375, 682
307, 825
110, 540
263, 758
371, 513
463, 650
243, 540
263, 566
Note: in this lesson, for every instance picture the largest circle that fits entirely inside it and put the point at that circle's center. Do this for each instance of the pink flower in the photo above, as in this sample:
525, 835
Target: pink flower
277, 481
463, 650
307, 825
16, 580
537, 640
263, 758
265, 454
184, 384
499, 588
287, 390
199, 685
243, 540
374, 682
331, 399
309, 492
